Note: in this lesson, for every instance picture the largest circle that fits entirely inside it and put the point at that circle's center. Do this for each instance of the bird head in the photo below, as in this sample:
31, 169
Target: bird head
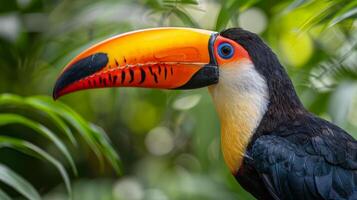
166, 58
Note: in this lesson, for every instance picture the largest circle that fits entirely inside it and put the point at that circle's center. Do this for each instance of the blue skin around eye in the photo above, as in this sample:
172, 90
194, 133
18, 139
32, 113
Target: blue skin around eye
220, 52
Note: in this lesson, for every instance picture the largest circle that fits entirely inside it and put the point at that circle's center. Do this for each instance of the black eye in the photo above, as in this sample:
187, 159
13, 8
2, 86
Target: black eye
225, 50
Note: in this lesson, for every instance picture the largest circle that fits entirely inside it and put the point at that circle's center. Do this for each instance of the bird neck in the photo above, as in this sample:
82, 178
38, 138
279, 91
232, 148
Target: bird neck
241, 104
284, 104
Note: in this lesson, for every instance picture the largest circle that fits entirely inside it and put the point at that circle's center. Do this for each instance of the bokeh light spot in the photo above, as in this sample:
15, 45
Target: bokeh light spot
128, 189
253, 19
159, 141
155, 194
187, 102
296, 48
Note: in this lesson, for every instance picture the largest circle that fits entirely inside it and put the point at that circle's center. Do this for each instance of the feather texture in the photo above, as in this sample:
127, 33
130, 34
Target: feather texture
309, 159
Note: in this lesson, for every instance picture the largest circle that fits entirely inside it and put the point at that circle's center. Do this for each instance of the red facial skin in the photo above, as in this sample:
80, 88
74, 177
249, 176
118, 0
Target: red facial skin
239, 52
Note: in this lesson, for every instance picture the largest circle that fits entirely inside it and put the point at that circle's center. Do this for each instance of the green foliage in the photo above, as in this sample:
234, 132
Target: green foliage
348, 11
12, 179
231, 9
335, 12
6, 119
4, 196
32, 150
62, 116
175, 7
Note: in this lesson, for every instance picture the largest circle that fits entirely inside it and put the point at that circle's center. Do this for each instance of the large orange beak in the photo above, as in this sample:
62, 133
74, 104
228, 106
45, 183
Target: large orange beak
170, 58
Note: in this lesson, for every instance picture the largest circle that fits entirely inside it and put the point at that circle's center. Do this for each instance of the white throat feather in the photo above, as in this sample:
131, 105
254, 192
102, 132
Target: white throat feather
241, 99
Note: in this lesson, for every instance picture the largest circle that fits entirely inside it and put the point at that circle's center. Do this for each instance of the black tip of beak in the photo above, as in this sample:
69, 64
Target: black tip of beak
80, 69
55, 96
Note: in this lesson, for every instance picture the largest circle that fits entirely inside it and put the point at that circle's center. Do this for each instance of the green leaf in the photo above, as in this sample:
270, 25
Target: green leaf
55, 119
8, 6
185, 18
342, 96
229, 9
95, 141
15, 100
176, 2
341, 73
4, 196
106, 148
295, 4
32, 150
347, 12
225, 14
60, 114
318, 17
72, 118
6, 119
14, 180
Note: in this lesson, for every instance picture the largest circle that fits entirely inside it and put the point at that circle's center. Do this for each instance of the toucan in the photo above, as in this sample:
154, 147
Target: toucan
273, 146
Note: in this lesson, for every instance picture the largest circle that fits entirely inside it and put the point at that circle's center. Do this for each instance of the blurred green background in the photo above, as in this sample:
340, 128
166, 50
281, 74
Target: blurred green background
168, 141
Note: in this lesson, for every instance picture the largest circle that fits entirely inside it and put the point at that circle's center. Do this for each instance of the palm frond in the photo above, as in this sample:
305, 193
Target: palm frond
332, 13
348, 11
174, 7
33, 150
94, 140
229, 9
343, 72
180, 2
65, 119
14, 180
185, 18
4, 196
296, 4
61, 115
6, 119
19, 102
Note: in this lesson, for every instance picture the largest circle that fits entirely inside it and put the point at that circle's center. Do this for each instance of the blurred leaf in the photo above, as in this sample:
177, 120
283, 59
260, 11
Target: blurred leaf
82, 126
295, 4
71, 117
343, 96
89, 189
4, 196
229, 8
342, 72
322, 15
175, 2
12, 179
225, 14
185, 18
58, 113
319, 102
54, 109
333, 13
6, 119
15, 100
8, 5
349, 11
106, 147
33, 150
176, 7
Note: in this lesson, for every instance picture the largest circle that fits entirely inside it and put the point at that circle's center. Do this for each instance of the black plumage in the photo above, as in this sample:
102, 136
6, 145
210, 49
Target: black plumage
293, 154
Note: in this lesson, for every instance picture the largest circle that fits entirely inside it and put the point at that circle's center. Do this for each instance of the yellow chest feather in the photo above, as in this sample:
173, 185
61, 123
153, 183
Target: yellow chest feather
241, 99
236, 131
